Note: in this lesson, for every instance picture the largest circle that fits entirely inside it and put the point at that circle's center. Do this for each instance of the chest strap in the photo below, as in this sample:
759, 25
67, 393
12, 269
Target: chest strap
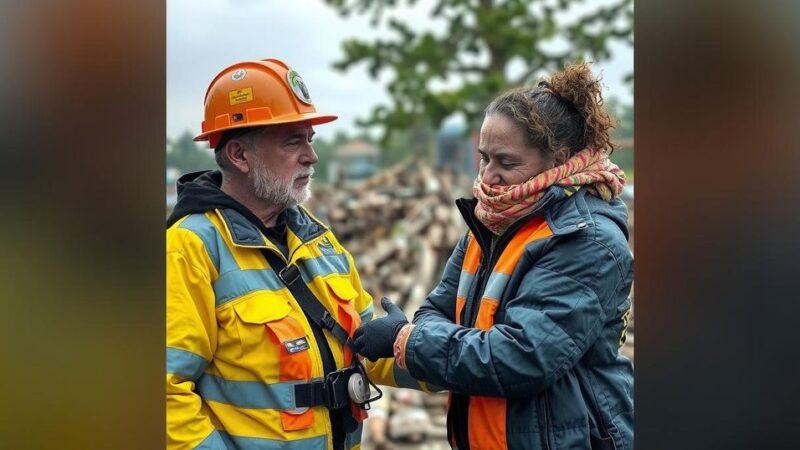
290, 275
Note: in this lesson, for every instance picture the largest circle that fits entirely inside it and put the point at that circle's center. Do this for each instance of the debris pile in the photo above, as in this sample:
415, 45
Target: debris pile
401, 225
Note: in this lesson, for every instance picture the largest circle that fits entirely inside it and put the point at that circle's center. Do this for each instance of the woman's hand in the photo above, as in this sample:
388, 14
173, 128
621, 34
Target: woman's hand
374, 339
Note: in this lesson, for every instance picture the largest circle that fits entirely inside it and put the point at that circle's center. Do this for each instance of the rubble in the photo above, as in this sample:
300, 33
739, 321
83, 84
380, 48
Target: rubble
401, 224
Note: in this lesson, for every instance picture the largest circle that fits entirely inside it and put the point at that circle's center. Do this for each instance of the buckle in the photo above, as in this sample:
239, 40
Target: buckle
336, 387
328, 320
289, 274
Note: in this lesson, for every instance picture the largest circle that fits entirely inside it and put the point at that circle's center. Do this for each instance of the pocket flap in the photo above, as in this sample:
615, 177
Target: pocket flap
342, 288
263, 309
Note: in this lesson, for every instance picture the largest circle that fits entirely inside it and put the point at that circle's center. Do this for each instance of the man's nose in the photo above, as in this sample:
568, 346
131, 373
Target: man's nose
309, 157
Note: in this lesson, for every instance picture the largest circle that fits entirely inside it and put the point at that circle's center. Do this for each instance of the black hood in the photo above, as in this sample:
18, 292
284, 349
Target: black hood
199, 192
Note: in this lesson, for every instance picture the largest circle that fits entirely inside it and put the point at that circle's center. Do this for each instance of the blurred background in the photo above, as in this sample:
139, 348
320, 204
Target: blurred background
409, 81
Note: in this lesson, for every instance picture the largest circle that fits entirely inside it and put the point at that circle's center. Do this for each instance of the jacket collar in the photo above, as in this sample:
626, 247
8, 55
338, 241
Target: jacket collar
245, 233
569, 213
564, 211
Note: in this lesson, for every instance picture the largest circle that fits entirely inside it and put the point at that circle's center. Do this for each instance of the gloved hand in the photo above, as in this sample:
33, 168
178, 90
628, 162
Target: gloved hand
374, 339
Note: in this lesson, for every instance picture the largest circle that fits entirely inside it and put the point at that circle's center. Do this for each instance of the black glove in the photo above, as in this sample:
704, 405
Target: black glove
375, 339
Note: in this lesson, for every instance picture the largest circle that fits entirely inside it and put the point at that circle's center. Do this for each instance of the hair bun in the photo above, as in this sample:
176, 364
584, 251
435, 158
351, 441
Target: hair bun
577, 85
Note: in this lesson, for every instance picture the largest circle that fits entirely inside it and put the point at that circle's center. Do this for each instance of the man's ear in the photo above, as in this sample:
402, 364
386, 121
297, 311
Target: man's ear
235, 151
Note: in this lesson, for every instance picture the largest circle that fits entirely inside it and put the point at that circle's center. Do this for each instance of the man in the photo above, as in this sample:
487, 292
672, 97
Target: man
261, 297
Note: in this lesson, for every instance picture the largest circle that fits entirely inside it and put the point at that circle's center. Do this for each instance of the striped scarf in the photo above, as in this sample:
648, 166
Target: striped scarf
500, 206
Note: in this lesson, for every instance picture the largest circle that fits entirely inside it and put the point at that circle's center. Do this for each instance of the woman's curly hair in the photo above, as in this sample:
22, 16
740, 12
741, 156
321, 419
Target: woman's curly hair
562, 115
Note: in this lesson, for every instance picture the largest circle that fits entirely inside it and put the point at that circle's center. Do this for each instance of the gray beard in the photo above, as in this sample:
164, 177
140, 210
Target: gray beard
271, 189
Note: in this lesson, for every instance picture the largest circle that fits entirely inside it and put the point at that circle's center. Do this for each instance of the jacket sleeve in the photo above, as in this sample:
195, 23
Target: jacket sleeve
191, 340
555, 315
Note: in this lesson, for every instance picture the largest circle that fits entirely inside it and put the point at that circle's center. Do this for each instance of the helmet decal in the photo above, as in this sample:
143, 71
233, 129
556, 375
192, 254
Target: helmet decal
240, 96
238, 75
298, 86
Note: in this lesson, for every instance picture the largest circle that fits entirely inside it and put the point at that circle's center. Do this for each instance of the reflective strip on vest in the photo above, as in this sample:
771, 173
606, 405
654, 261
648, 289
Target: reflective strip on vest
247, 394
237, 283
215, 245
324, 265
472, 257
252, 443
185, 364
487, 415
213, 441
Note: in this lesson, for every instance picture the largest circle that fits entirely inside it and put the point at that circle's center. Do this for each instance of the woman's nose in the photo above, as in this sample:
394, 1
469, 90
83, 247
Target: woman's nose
491, 176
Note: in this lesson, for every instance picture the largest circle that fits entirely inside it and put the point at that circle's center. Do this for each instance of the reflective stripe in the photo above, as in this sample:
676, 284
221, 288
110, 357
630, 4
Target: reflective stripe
472, 255
464, 283
234, 284
325, 265
534, 230
217, 250
354, 438
185, 363
487, 423
366, 315
496, 285
460, 303
487, 415
247, 394
213, 441
486, 310
251, 443
403, 379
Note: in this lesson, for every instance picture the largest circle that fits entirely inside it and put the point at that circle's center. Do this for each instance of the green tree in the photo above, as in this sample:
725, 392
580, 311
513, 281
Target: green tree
185, 155
481, 42
622, 135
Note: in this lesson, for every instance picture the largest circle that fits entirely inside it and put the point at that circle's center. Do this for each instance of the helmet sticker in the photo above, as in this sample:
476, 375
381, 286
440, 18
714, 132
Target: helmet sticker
298, 86
240, 96
238, 75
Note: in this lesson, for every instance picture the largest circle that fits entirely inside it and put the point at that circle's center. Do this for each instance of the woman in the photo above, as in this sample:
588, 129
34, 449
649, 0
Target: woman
525, 326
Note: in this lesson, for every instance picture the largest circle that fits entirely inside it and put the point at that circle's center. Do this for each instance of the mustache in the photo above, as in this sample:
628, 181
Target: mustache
304, 173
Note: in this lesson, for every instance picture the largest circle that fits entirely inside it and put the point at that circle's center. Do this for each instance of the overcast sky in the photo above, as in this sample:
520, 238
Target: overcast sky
205, 36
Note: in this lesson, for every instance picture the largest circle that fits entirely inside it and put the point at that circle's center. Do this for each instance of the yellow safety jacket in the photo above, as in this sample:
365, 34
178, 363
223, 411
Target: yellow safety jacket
238, 342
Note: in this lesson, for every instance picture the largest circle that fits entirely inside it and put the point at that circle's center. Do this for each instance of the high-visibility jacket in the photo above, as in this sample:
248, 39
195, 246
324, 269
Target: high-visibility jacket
237, 340
524, 329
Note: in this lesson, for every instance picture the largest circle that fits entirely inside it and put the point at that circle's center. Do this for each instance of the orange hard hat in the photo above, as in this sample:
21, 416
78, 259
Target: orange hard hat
256, 93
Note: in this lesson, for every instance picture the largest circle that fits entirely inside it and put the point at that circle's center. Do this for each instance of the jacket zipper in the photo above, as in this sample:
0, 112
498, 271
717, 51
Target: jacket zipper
546, 421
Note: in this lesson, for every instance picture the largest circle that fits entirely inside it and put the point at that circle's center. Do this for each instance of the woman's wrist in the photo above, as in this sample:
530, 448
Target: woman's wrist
399, 348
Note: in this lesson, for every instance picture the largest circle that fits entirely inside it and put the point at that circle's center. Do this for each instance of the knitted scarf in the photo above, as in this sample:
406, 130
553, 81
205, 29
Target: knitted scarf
500, 206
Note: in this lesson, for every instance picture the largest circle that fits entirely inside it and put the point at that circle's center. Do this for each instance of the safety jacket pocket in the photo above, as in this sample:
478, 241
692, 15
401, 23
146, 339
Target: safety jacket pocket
295, 365
250, 317
263, 308
344, 293
342, 288
283, 337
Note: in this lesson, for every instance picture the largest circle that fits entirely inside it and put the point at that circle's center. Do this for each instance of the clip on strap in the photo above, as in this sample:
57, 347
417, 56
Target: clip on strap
290, 275
330, 392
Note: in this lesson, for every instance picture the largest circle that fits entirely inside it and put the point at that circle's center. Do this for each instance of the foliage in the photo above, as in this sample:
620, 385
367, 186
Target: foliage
482, 41
623, 134
187, 156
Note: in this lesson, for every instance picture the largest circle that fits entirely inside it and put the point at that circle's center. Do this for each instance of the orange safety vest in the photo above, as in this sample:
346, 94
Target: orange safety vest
487, 415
